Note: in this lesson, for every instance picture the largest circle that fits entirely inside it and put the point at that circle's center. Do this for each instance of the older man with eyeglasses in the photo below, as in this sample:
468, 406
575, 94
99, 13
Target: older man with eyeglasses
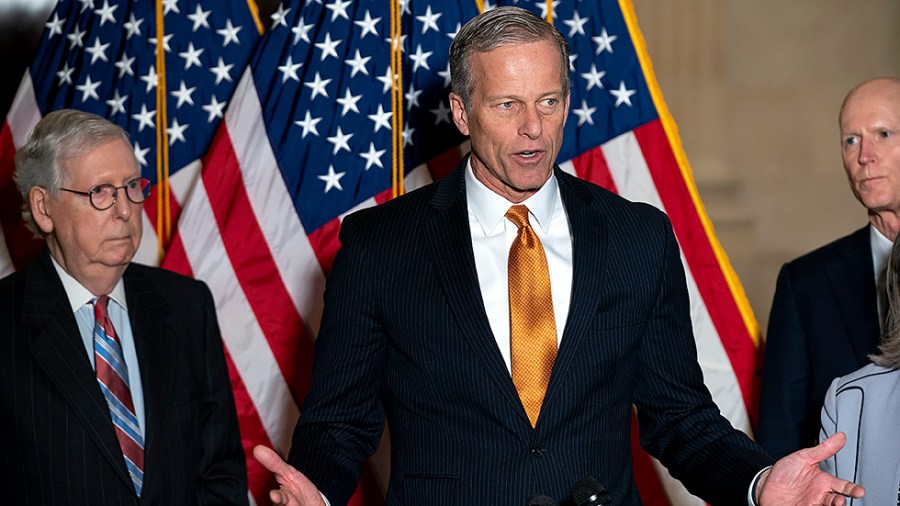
113, 382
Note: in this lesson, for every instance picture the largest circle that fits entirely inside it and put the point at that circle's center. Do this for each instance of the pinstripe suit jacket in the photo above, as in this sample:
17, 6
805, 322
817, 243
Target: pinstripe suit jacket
405, 336
57, 443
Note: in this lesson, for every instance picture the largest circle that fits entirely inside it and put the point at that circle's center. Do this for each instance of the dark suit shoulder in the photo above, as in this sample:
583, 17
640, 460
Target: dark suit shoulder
853, 245
163, 278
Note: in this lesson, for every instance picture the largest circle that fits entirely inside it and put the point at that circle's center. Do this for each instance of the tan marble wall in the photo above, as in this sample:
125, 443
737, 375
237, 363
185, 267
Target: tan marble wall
755, 87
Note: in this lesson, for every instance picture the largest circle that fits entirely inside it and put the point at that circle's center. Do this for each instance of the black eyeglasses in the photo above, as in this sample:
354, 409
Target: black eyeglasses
103, 196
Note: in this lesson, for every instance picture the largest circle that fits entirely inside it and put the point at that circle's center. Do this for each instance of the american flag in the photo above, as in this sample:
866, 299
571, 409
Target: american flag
100, 56
321, 124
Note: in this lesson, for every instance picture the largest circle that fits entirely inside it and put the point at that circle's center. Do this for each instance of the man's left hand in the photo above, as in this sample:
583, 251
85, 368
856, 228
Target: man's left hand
797, 480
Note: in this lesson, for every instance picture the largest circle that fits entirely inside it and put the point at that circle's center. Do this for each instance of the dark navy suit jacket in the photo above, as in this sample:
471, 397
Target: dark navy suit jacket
823, 324
57, 439
405, 336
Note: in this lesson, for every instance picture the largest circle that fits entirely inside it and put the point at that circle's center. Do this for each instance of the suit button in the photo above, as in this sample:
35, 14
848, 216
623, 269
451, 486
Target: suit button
537, 450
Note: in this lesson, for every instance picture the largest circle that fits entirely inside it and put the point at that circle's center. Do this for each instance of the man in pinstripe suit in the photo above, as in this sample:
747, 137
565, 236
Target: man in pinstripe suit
416, 324
58, 442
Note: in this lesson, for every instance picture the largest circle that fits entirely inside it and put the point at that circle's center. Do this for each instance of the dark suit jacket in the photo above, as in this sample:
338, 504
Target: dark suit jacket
823, 324
58, 443
405, 335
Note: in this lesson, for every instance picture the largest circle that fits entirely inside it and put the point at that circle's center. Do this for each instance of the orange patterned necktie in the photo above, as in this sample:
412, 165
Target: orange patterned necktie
532, 325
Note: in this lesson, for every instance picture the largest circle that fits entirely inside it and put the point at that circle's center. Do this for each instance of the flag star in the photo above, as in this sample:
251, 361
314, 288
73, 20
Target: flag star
317, 85
106, 12
408, 134
381, 119
183, 94
145, 118
289, 70
199, 17
176, 132
349, 102
623, 95
133, 26
152, 79
332, 179
55, 26
412, 97
441, 114
489, 6
572, 58
65, 74
395, 44
89, 89
279, 16
452, 34
339, 8
97, 51
222, 71
584, 113
429, 20
86, 4
192, 56
328, 46
576, 24
543, 7
604, 41
301, 31
368, 25
420, 59
214, 108
76, 38
229, 33
373, 157
358, 64
124, 65
309, 125
386, 79
169, 6
593, 78
140, 154
446, 75
165, 42
404, 5
340, 141
117, 103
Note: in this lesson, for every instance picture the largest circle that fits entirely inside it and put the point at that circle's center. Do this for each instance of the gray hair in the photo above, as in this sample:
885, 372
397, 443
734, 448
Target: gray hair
889, 351
495, 28
59, 136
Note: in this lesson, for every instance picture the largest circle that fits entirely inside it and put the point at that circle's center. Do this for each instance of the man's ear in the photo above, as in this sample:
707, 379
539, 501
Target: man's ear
460, 116
39, 202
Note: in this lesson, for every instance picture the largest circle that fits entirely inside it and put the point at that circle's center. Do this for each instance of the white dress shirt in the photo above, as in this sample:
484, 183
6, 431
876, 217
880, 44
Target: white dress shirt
881, 250
80, 301
492, 236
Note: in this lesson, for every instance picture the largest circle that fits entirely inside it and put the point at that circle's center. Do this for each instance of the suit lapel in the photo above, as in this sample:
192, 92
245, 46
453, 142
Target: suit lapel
58, 349
852, 281
449, 242
154, 344
588, 257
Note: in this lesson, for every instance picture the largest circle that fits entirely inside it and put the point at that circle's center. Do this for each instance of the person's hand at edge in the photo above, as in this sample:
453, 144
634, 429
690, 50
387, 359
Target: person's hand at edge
294, 489
797, 480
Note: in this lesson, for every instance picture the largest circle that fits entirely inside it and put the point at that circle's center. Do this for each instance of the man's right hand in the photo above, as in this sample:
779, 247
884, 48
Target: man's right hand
294, 489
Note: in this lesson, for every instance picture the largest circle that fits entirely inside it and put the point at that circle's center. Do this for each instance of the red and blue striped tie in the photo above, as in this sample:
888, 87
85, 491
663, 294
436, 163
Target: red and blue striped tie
112, 375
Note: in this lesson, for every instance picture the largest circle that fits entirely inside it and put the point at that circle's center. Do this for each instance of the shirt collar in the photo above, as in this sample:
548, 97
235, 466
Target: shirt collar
881, 248
79, 295
489, 208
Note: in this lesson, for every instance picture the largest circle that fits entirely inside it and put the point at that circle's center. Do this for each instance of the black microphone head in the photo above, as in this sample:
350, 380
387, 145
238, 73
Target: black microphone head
540, 500
589, 492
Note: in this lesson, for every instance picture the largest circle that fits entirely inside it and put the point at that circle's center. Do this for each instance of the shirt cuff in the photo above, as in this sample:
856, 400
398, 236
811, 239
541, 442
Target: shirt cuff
751, 494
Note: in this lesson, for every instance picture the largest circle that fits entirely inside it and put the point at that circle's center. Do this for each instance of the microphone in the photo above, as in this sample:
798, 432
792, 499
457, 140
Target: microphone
589, 492
540, 500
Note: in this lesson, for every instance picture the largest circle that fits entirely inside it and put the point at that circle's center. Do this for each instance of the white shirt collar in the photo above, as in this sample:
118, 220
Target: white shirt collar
881, 249
489, 208
79, 295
